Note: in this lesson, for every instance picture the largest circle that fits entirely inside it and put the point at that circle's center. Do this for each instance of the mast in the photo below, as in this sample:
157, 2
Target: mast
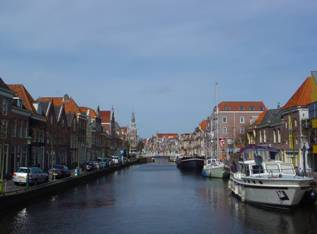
217, 122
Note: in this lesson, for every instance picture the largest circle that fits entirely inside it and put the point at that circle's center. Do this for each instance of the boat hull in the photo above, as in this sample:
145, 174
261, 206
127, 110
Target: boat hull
190, 164
280, 193
216, 172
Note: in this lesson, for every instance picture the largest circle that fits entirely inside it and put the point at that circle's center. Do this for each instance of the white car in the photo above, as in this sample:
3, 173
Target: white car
115, 160
36, 175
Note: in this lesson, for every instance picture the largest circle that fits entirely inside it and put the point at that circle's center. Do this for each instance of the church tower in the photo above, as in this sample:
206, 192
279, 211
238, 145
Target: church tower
133, 135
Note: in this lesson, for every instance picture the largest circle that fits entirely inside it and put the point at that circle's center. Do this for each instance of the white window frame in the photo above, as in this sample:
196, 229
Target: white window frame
242, 120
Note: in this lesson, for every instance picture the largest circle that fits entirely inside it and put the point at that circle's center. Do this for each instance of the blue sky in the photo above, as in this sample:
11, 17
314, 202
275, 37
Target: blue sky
159, 58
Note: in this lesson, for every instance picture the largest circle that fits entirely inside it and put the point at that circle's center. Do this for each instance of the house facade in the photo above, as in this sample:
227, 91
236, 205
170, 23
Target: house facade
229, 122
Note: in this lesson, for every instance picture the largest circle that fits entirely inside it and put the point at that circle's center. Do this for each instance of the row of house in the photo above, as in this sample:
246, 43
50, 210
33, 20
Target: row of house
53, 130
173, 144
221, 133
291, 128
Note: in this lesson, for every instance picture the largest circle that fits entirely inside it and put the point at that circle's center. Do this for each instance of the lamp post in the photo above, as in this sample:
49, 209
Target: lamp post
28, 156
304, 149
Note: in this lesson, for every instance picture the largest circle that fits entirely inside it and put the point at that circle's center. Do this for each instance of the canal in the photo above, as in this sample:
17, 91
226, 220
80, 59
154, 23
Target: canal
152, 198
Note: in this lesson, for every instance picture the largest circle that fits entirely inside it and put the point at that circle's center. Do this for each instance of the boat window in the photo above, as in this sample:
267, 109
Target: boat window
287, 168
257, 169
272, 168
246, 170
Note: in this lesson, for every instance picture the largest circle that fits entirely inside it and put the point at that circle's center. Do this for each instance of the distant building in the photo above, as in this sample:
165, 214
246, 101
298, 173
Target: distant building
133, 135
163, 144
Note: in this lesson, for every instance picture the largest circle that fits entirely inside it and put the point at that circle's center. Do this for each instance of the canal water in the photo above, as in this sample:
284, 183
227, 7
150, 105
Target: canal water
152, 198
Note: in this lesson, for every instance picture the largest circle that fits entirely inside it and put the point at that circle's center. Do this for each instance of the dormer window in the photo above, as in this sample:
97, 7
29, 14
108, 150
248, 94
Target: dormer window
18, 102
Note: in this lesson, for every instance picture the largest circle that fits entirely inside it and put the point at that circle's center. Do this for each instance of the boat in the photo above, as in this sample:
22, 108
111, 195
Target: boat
191, 163
266, 180
214, 168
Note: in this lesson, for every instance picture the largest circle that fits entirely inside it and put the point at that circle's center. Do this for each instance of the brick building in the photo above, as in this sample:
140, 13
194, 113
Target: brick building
37, 125
78, 124
233, 118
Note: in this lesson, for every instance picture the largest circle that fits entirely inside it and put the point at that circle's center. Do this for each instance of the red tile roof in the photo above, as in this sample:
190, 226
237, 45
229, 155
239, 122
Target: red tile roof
105, 116
242, 106
88, 111
260, 117
304, 95
69, 103
203, 125
22, 93
167, 135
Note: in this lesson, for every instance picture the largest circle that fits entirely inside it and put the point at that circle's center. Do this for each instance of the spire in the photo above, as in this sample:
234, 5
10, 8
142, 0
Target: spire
133, 118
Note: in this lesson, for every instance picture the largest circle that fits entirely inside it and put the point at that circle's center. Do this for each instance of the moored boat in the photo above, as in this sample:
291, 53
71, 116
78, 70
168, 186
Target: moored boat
214, 168
270, 182
193, 163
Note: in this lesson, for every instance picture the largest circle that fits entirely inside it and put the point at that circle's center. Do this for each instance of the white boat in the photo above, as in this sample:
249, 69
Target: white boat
214, 168
272, 183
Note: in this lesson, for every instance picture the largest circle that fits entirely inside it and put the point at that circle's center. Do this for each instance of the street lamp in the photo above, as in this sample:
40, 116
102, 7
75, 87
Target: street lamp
304, 149
28, 156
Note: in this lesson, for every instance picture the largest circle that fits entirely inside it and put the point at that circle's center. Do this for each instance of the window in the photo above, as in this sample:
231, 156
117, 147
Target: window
257, 169
242, 130
242, 120
225, 130
14, 128
274, 136
224, 119
251, 108
21, 129
241, 108
295, 123
4, 106
279, 136
264, 136
3, 128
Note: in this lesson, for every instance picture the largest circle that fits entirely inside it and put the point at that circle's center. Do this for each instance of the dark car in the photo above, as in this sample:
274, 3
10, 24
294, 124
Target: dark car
90, 166
59, 171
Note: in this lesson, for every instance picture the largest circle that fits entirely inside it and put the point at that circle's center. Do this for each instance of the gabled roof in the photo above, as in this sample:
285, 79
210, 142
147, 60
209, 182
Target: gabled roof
88, 111
4, 86
22, 93
69, 104
271, 117
203, 125
105, 116
242, 106
304, 95
260, 117
167, 135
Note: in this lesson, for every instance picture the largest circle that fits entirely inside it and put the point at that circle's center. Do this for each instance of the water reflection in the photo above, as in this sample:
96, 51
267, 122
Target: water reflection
153, 198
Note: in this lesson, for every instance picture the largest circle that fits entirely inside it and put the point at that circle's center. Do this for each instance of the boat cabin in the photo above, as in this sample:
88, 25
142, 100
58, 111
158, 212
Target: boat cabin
267, 169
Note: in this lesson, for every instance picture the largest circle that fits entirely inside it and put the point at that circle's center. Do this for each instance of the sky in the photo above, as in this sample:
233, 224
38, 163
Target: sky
159, 58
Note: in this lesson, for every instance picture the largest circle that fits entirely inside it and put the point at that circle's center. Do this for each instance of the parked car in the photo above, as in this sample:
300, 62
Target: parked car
36, 176
90, 166
115, 160
103, 163
59, 171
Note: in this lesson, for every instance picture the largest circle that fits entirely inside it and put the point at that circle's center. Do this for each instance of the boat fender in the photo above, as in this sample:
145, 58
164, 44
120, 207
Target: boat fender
312, 196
